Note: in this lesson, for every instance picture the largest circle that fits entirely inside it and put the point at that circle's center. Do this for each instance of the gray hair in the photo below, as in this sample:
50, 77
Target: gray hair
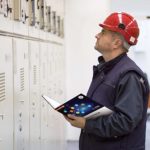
125, 44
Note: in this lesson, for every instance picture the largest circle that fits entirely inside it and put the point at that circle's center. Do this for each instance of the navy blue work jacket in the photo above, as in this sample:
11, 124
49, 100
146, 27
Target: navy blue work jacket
122, 86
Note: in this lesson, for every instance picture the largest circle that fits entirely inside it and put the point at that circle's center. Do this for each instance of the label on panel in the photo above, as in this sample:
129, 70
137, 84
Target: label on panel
47, 18
32, 9
17, 10
53, 27
37, 13
41, 14
62, 28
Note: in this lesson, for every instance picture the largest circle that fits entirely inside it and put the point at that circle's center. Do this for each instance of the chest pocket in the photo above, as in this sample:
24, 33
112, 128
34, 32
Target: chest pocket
105, 93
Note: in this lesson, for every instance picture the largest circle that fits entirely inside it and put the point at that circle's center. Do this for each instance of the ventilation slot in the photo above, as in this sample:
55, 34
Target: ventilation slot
2, 86
21, 79
34, 75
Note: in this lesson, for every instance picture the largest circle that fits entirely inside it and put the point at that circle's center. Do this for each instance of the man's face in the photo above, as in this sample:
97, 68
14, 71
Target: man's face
104, 41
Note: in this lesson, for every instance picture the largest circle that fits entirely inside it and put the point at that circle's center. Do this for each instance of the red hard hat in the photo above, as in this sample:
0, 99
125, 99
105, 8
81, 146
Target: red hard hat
123, 23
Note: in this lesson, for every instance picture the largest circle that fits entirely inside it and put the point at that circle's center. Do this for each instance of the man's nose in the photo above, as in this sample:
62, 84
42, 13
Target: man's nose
97, 36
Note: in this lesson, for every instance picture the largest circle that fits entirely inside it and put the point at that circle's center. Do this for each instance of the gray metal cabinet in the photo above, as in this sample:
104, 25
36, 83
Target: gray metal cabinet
34, 82
6, 94
21, 94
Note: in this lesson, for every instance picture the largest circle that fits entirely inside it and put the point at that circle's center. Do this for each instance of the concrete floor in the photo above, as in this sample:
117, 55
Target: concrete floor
73, 145
148, 133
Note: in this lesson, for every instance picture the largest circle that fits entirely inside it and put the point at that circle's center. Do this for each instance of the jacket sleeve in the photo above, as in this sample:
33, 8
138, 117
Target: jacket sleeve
128, 106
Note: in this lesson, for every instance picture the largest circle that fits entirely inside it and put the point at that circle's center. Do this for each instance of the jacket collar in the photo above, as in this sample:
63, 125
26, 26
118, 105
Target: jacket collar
106, 66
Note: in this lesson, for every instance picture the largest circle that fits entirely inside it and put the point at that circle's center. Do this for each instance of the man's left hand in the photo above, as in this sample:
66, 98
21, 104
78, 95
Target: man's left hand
75, 121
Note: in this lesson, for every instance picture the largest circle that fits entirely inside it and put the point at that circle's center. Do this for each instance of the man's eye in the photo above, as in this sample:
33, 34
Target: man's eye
103, 31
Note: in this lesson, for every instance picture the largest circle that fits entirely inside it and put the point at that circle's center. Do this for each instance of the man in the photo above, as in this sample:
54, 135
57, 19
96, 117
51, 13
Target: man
119, 84
149, 101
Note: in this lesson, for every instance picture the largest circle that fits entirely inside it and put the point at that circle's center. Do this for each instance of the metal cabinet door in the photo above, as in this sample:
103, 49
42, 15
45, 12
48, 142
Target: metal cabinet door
21, 94
58, 72
43, 90
55, 79
60, 92
34, 96
50, 65
54, 125
6, 94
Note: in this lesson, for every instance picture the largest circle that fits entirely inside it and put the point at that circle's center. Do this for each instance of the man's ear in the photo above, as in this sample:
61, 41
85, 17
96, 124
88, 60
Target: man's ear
117, 43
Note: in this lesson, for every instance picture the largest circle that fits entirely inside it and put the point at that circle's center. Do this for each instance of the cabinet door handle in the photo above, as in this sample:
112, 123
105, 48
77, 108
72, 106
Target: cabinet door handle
2, 116
22, 101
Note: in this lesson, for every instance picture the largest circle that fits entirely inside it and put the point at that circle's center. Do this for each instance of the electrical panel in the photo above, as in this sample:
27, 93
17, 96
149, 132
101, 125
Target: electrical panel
17, 10
42, 14
62, 27
53, 25
34, 95
1, 7
25, 11
55, 90
31, 10
58, 25
37, 13
6, 8
21, 10
43, 89
50, 71
31, 65
21, 94
47, 18
6, 94
41, 23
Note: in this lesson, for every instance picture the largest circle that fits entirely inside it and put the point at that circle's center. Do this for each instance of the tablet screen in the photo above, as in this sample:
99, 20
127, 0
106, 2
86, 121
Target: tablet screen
80, 105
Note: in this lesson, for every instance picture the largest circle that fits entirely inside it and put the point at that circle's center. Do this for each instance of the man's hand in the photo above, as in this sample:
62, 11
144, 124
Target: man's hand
78, 122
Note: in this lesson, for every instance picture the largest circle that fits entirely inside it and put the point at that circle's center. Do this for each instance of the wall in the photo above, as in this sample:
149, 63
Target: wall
136, 7
140, 10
